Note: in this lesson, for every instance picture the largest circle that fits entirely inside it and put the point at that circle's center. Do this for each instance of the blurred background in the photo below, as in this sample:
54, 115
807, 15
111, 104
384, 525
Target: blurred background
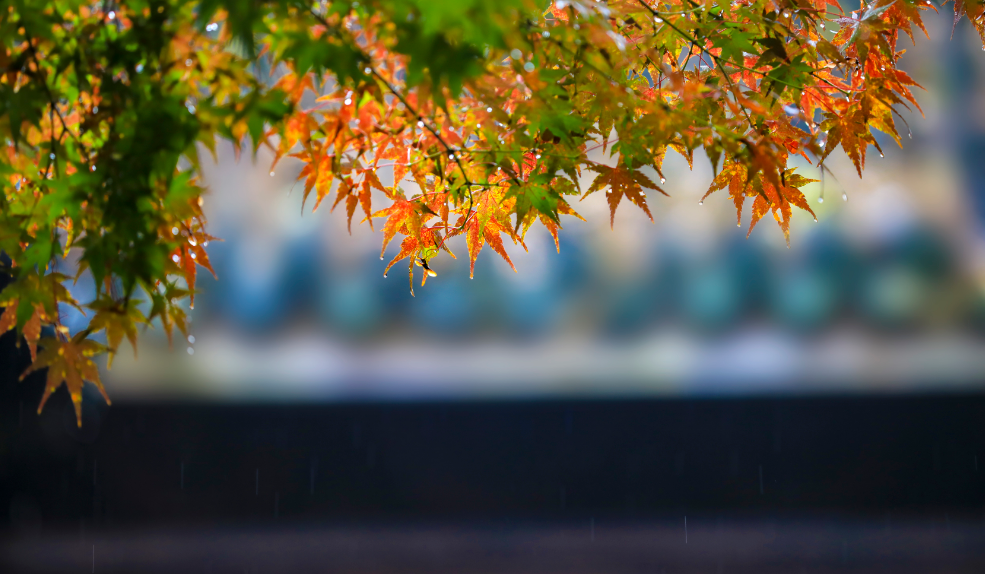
826, 391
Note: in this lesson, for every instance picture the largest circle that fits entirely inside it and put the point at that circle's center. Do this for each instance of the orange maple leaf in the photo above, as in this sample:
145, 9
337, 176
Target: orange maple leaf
485, 225
622, 182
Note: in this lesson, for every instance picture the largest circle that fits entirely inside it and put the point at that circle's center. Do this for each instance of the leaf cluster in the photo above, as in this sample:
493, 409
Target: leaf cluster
470, 117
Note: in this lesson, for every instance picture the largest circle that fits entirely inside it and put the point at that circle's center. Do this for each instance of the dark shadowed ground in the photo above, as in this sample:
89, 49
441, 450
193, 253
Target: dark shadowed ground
852, 484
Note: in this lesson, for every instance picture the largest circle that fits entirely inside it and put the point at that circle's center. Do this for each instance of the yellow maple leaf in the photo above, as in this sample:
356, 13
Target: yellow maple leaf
69, 362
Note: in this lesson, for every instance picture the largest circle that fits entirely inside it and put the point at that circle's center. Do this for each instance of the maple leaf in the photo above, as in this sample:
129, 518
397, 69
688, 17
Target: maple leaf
403, 216
119, 319
486, 224
852, 132
409, 217
735, 177
30, 302
69, 362
779, 199
622, 182
188, 256
355, 195
165, 307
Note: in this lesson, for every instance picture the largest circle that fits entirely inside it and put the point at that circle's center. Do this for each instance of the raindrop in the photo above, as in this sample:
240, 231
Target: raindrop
489, 110
191, 109
529, 67
193, 256
51, 156
420, 124
174, 231
271, 174
93, 168
192, 241
658, 20
576, 27
516, 54
188, 62
191, 351
112, 15
702, 202
663, 180
384, 275
381, 258
191, 339
844, 197
368, 71
205, 244
348, 101
140, 68
537, 156
820, 200
815, 220
546, 34
95, 109
881, 154
175, 258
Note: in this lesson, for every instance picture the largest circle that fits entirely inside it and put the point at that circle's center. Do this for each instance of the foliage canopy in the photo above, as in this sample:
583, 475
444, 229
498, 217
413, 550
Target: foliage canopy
485, 110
